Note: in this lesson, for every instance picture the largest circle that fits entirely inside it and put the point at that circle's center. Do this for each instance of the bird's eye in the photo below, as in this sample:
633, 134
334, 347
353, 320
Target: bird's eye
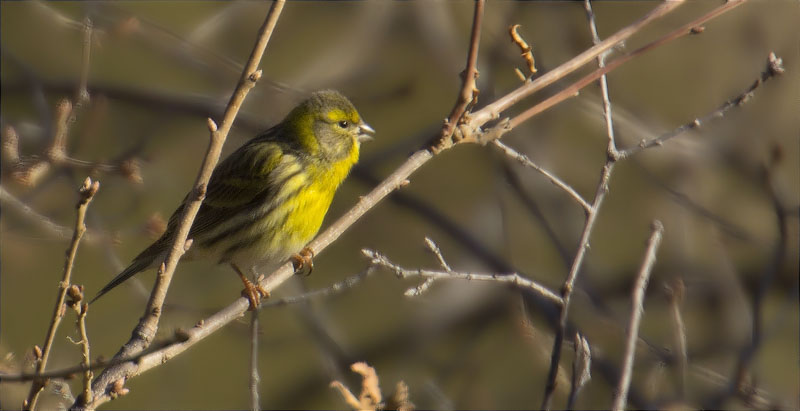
344, 124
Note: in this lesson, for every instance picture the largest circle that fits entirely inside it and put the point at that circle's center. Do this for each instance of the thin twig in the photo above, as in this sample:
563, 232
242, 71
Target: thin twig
82, 95
70, 372
254, 377
573, 89
581, 369
524, 160
601, 62
8, 199
774, 68
637, 304
493, 110
87, 192
469, 89
591, 214
514, 279
675, 294
738, 382
333, 289
85, 353
146, 329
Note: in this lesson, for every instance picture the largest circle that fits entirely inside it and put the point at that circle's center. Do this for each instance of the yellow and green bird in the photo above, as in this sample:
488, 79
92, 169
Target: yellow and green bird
267, 200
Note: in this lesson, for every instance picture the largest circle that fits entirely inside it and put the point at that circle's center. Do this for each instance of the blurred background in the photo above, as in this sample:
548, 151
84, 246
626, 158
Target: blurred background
727, 193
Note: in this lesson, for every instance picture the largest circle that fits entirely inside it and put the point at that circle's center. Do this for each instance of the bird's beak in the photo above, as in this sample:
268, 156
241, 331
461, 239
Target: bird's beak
365, 133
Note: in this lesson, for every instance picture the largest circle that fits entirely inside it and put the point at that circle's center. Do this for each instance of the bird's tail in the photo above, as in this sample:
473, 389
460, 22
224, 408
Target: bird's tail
138, 265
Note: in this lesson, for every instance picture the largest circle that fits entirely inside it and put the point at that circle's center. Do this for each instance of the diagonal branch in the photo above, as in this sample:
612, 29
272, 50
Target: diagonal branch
637, 309
145, 331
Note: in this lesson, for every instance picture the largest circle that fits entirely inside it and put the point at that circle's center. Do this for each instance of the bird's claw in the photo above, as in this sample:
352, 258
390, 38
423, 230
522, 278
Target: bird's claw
303, 262
253, 293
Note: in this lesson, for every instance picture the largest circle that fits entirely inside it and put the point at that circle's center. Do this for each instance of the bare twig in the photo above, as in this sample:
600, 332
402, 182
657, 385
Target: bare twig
774, 68
87, 192
675, 294
591, 214
581, 369
70, 372
469, 89
145, 330
434, 248
514, 279
333, 289
82, 95
601, 62
637, 309
87, 359
493, 110
758, 399
254, 377
8, 199
524, 160
739, 382
612, 156
573, 89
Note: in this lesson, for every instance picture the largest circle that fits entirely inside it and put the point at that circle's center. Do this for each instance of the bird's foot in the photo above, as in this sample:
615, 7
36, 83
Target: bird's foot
303, 261
253, 293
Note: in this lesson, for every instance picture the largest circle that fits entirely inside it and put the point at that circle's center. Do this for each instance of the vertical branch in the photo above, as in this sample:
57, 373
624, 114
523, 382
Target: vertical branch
469, 89
83, 92
636, 315
87, 362
254, 377
146, 329
601, 63
581, 369
87, 192
675, 293
591, 217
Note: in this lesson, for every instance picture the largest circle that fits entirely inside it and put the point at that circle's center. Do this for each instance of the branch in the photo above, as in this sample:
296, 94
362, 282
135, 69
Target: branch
581, 369
675, 294
774, 68
254, 377
82, 310
87, 192
493, 110
524, 160
636, 315
469, 90
146, 329
572, 90
514, 279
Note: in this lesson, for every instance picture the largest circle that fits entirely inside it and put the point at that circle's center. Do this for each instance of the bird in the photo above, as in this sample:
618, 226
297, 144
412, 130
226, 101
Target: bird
267, 199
